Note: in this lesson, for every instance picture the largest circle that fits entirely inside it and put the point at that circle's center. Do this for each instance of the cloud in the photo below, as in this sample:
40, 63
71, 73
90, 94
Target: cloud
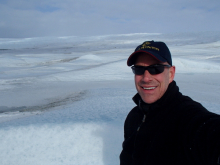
32, 18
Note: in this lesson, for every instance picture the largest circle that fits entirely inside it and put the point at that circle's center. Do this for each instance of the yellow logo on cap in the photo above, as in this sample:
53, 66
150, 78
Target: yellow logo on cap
145, 45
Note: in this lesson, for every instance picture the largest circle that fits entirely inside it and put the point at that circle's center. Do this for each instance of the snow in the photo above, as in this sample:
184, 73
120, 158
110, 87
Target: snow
64, 99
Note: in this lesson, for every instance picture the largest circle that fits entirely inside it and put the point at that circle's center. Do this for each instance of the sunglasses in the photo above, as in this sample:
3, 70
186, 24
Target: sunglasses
152, 69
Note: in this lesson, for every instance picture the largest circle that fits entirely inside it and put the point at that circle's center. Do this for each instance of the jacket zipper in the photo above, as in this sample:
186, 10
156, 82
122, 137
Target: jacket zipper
143, 120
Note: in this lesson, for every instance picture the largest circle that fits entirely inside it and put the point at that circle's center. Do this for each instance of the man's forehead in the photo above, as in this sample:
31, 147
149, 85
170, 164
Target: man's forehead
145, 57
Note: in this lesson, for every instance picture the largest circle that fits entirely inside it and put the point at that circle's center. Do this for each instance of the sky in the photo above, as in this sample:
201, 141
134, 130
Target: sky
37, 18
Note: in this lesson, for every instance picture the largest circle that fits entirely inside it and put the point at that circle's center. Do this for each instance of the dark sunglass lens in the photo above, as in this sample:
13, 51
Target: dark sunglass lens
138, 70
159, 69
156, 69
152, 70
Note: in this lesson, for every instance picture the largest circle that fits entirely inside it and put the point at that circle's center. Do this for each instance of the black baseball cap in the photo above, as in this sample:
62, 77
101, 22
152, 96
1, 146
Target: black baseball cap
158, 50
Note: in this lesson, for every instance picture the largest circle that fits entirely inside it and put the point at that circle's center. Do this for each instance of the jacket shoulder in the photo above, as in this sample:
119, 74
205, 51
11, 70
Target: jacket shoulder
188, 104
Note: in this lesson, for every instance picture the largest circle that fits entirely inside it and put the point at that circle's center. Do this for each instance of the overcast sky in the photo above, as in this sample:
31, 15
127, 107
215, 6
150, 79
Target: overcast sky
35, 18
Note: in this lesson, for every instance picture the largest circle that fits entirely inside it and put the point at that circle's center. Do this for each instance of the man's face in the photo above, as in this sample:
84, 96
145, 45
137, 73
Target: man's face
152, 87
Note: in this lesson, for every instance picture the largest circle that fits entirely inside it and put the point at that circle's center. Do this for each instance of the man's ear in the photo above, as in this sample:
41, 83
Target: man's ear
172, 71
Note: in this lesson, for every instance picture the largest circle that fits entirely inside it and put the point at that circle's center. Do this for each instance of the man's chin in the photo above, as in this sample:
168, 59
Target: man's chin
149, 100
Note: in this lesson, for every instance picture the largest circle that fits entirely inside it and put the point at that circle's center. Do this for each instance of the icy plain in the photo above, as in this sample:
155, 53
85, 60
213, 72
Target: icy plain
64, 99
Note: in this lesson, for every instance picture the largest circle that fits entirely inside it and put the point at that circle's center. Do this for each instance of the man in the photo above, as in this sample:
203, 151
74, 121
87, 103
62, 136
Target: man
166, 127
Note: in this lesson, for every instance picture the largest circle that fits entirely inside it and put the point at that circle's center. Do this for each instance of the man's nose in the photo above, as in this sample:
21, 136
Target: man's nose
147, 76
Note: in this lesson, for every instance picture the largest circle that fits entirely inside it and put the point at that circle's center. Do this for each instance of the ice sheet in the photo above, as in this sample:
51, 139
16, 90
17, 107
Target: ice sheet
64, 99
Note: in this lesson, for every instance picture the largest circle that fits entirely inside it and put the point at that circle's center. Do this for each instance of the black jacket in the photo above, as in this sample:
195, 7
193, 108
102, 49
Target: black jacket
175, 130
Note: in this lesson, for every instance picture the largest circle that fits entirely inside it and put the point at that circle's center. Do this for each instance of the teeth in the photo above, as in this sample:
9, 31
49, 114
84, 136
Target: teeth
149, 88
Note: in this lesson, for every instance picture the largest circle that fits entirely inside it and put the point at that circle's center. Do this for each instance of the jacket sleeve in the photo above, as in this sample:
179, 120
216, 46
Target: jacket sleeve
206, 143
201, 134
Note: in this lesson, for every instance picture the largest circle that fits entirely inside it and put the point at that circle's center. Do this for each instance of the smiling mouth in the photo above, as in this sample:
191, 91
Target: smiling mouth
150, 88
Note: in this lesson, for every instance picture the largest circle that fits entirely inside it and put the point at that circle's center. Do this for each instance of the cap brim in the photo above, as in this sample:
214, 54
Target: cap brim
132, 58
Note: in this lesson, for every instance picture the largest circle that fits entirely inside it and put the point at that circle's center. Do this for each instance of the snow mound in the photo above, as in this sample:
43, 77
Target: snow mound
190, 66
89, 57
65, 143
